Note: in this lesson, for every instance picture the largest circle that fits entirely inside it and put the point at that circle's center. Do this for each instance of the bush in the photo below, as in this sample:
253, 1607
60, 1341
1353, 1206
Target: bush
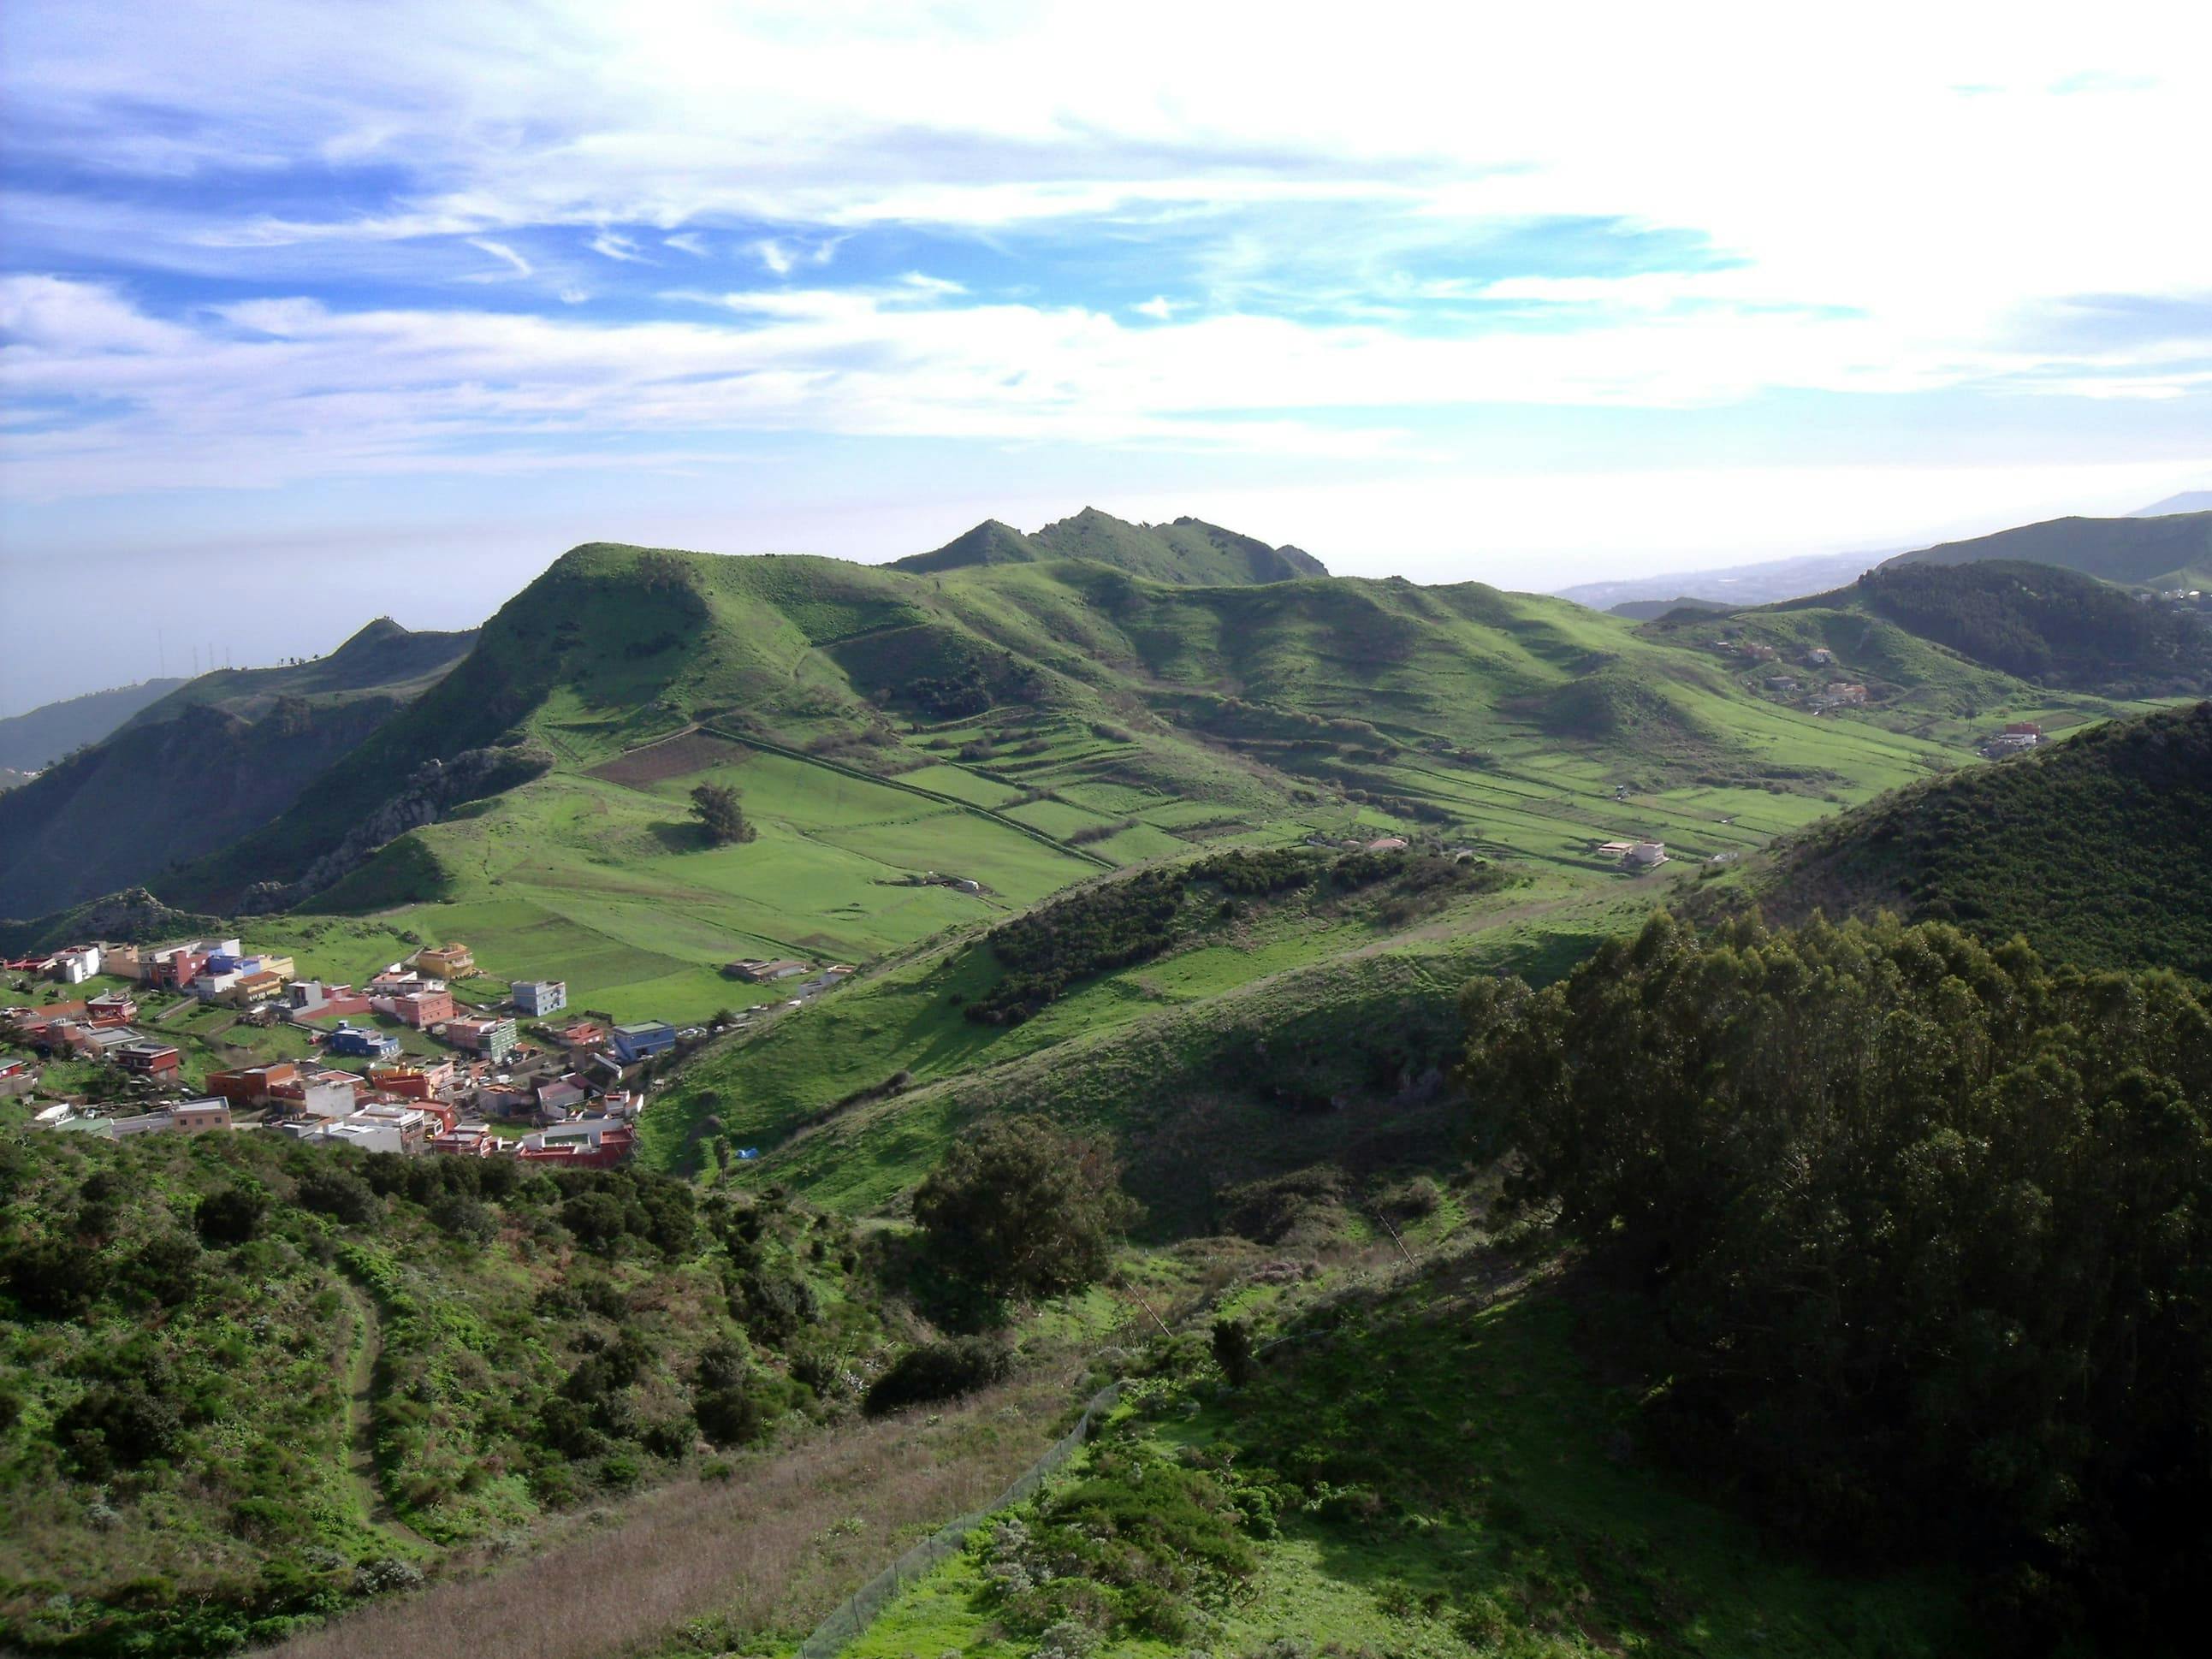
117, 1425
340, 1195
730, 1417
230, 1216
937, 1370
53, 1278
465, 1218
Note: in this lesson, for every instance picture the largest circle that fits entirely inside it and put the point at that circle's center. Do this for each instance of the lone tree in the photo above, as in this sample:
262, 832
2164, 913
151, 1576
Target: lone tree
1020, 1207
720, 814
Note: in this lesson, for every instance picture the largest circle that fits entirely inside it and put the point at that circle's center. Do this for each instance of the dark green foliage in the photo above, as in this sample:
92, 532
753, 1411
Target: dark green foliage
721, 814
1114, 925
1232, 1350
116, 1426
52, 1278
2045, 625
1926, 1227
772, 1307
464, 1217
937, 1370
1020, 1207
340, 1195
230, 1216
166, 1269
731, 1416
2093, 847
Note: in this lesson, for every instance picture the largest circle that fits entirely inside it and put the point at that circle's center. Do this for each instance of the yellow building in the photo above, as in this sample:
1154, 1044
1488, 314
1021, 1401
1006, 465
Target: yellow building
447, 961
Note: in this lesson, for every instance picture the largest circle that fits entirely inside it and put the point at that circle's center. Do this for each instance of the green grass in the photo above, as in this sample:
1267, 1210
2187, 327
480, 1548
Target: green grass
1449, 1473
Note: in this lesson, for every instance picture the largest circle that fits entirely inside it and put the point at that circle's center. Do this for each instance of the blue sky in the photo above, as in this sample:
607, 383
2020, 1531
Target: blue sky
313, 313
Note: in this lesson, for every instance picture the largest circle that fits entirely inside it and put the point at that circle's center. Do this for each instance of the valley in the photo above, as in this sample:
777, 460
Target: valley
1154, 833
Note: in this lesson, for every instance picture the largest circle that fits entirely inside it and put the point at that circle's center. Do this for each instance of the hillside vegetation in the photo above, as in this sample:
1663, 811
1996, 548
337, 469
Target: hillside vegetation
2038, 623
206, 764
2095, 847
244, 1383
2171, 550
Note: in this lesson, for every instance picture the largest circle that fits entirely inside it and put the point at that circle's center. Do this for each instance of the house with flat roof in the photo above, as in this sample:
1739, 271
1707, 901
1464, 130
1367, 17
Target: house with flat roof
447, 961
642, 1039
539, 997
146, 1057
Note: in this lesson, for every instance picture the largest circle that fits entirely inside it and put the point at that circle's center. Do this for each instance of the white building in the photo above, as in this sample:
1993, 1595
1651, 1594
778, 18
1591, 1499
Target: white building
76, 964
540, 997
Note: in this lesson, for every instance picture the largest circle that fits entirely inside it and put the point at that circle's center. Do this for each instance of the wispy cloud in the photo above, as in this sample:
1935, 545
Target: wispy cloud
519, 265
687, 241
613, 245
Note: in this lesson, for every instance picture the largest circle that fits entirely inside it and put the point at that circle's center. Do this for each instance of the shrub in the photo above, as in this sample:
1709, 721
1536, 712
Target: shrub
118, 1426
465, 1218
730, 1417
340, 1195
230, 1216
53, 1278
937, 1370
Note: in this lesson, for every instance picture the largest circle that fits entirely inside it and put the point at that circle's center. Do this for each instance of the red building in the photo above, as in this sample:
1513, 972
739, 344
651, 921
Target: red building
422, 1008
146, 1058
253, 1086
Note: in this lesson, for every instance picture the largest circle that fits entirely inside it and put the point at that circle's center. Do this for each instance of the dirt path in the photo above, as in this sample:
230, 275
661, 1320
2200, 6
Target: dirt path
360, 1421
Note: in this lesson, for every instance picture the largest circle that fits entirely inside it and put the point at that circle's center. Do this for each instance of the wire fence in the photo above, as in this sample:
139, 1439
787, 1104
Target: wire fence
843, 1627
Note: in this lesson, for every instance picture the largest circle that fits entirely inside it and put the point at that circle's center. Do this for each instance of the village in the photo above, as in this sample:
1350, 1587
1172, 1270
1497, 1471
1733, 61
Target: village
397, 1064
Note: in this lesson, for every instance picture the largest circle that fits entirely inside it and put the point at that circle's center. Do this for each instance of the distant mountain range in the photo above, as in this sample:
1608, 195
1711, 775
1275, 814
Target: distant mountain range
41, 737
211, 760
1742, 584
2172, 549
2127, 550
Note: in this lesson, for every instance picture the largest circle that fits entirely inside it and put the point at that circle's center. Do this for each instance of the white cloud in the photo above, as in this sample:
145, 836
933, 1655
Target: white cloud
1157, 307
521, 267
688, 241
618, 247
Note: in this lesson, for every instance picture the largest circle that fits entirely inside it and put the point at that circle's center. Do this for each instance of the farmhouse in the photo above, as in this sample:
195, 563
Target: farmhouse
761, 973
1614, 849
76, 964
1645, 855
252, 1086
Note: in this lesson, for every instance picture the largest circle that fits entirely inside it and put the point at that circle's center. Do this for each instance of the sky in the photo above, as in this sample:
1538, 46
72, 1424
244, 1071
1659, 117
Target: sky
313, 313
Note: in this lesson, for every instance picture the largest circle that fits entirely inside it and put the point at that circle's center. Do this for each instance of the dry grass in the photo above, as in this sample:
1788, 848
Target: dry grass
771, 1550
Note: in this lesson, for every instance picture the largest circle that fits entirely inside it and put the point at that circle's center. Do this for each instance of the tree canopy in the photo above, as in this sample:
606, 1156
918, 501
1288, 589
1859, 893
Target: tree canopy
720, 814
1927, 1226
1020, 1207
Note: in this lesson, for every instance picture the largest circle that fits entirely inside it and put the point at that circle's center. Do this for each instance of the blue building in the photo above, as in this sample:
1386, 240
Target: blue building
643, 1040
366, 1044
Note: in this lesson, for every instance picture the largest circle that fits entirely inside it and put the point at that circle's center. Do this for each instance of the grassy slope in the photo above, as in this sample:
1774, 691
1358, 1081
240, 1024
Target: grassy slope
2172, 550
2093, 847
1458, 1476
1189, 551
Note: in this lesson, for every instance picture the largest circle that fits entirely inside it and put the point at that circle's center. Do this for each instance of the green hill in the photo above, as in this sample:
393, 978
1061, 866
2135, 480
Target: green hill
210, 763
2172, 550
2093, 847
1017, 725
1189, 551
2039, 623
39, 737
